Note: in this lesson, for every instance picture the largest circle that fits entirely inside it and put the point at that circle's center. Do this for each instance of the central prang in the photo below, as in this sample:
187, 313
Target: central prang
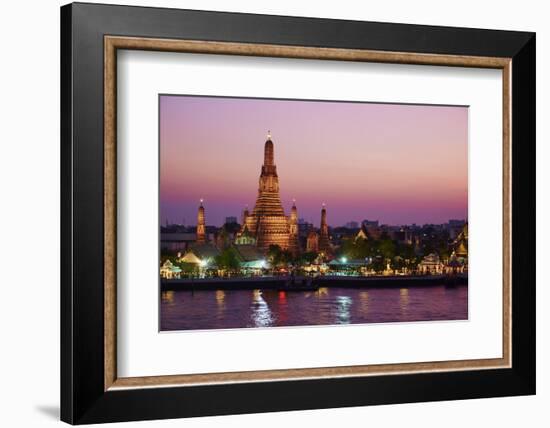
268, 223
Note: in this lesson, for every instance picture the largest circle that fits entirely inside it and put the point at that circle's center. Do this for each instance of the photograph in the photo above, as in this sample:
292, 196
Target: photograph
268, 209
282, 212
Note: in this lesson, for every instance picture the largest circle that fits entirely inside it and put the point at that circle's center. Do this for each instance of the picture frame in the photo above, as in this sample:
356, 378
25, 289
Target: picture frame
91, 35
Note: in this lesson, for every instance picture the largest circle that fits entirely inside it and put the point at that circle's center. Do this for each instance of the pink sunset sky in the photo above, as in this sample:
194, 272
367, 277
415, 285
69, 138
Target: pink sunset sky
399, 164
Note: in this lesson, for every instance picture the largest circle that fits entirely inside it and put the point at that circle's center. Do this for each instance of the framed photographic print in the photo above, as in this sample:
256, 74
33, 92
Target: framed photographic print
265, 213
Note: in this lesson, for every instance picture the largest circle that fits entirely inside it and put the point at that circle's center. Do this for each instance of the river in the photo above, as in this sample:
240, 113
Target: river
223, 309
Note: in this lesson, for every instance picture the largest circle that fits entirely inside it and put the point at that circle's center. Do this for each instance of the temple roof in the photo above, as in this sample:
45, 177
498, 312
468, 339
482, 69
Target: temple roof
204, 251
362, 234
248, 253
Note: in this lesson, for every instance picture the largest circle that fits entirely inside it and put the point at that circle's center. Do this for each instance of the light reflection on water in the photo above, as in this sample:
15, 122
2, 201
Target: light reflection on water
261, 315
187, 310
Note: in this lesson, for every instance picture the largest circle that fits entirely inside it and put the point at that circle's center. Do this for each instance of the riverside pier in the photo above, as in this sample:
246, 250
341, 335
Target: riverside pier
305, 283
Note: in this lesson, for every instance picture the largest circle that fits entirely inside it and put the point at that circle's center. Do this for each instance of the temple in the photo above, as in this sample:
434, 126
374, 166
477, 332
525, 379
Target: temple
201, 226
267, 222
324, 243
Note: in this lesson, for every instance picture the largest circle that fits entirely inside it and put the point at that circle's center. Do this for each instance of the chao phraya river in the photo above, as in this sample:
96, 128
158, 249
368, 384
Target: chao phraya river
222, 309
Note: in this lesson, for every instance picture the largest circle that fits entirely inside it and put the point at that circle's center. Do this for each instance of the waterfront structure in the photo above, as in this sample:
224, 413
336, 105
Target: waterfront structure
251, 259
202, 255
455, 265
169, 271
431, 264
201, 225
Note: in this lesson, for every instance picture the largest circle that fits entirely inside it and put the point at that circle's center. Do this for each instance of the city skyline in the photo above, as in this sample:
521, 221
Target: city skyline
399, 164
301, 220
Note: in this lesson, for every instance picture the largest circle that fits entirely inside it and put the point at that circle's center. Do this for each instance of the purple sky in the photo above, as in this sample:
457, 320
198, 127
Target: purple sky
399, 164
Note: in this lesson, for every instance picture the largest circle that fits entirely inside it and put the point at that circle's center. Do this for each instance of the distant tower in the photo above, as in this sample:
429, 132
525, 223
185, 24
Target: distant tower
245, 216
324, 244
201, 228
293, 244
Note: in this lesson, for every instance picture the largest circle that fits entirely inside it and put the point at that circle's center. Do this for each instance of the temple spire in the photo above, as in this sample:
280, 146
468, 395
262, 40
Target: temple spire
293, 243
201, 227
267, 222
324, 244
268, 151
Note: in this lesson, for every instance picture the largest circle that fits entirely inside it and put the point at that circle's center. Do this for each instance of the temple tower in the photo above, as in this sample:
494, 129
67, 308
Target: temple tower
246, 214
201, 227
267, 222
293, 243
324, 244
312, 244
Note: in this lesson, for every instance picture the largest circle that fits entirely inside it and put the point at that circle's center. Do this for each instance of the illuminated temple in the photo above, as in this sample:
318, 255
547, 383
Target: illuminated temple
267, 223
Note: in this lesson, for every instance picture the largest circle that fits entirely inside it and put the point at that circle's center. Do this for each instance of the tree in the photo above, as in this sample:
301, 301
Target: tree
307, 258
397, 263
228, 259
387, 248
357, 248
277, 256
378, 264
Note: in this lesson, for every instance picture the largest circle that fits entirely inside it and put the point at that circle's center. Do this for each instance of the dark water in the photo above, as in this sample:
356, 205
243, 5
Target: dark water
187, 310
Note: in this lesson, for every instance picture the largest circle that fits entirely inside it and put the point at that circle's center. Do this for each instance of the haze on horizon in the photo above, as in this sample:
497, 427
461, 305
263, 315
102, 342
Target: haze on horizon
396, 163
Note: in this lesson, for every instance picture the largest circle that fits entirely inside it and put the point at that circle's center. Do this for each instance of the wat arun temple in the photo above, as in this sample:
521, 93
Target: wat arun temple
268, 224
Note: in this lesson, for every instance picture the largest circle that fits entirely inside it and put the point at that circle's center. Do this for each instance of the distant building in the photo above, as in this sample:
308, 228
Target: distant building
370, 223
176, 241
375, 232
457, 223
312, 245
230, 220
303, 228
352, 225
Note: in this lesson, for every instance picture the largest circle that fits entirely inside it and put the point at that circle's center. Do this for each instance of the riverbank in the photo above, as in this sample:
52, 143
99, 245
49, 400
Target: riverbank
309, 284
